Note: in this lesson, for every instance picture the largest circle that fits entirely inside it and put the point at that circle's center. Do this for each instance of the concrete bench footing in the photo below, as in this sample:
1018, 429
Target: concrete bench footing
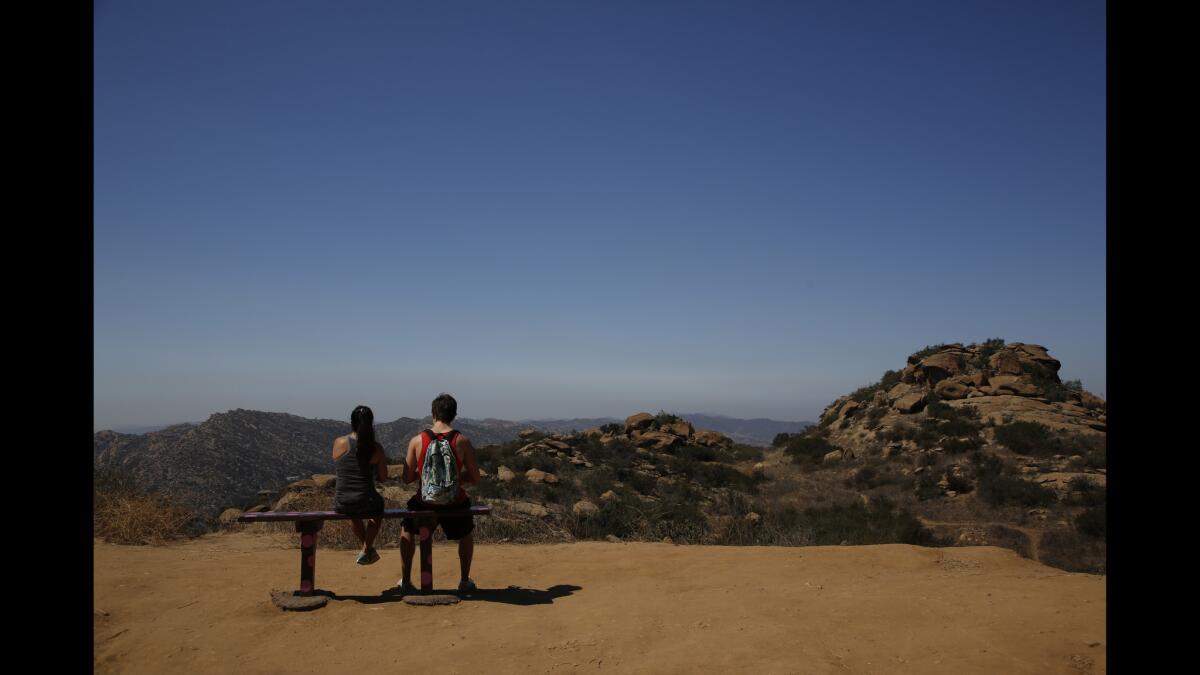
293, 601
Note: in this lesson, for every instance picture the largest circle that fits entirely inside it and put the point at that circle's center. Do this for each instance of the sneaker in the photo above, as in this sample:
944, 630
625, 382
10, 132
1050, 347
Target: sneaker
466, 586
368, 557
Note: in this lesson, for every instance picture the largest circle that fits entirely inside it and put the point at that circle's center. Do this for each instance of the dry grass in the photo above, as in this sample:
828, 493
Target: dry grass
123, 513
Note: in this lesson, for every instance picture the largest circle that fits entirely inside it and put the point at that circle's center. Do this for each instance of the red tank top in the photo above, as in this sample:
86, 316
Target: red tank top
427, 437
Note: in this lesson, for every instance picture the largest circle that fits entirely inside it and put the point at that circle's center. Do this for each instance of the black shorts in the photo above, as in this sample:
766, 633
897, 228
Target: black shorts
367, 506
454, 528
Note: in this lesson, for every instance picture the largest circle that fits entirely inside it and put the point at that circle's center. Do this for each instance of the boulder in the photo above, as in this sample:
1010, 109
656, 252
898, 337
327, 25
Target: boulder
1018, 385
290, 501
1037, 354
937, 367
951, 388
258, 508
608, 495
229, 516
535, 475
529, 449
638, 421
848, 409
1002, 408
752, 517
584, 508
900, 391
657, 440
306, 484
505, 474
1005, 362
323, 480
527, 433
529, 509
712, 438
557, 445
910, 403
830, 413
679, 428
832, 457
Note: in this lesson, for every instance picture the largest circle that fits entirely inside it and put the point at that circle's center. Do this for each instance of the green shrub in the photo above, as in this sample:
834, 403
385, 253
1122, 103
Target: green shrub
875, 414
940, 411
747, 453
617, 517
1093, 522
641, 482
855, 524
959, 427
781, 440
597, 481
1089, 493
988, 347
1000, 490
1068, 550
925, 486
808, 448
958, 446
1028, 438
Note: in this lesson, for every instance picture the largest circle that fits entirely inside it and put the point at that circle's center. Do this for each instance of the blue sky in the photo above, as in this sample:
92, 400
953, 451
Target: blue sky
559, 209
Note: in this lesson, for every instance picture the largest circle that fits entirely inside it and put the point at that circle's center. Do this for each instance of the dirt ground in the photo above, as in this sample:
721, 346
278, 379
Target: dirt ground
203, 606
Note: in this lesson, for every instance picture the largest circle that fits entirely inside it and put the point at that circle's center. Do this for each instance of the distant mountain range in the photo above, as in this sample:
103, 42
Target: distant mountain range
758, 431
230, 456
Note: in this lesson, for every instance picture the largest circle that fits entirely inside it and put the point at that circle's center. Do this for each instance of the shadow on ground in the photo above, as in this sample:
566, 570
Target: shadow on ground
513, 595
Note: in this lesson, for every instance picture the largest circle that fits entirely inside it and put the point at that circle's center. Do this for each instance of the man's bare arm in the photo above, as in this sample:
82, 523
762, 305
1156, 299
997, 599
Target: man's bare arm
410, 462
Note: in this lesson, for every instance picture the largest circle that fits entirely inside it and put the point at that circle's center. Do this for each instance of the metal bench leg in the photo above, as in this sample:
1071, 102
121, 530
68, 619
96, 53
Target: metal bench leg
308, 554
426, 535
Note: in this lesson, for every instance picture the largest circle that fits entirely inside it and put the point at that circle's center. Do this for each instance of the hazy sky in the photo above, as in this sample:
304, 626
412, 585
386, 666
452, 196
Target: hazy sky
559, 209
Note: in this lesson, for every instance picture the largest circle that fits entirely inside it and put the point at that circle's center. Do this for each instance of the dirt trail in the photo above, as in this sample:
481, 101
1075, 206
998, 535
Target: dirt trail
202, 607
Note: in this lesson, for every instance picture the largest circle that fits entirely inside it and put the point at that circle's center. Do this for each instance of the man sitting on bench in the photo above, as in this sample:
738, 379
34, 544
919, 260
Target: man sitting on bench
440, 460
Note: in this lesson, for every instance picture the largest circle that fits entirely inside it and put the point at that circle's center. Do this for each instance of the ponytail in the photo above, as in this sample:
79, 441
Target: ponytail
362, 421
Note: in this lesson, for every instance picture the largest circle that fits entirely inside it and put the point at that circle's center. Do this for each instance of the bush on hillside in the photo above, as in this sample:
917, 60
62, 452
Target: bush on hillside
808, 448
1028, 438
124, 512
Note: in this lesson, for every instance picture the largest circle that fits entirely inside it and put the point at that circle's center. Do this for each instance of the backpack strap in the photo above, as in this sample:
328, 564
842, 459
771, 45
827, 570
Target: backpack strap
427, 437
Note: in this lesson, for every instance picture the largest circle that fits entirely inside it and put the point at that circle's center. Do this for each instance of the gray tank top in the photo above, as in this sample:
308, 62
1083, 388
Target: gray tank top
355, 478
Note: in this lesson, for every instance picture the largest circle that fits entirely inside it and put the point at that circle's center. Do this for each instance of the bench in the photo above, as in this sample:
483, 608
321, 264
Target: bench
308, 523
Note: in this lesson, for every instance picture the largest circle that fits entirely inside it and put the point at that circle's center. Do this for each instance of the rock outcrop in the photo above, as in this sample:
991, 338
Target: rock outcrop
1001, 383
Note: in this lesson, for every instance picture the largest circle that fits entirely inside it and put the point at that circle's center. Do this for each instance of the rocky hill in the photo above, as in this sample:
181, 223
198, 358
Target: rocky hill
966, 445
995, 382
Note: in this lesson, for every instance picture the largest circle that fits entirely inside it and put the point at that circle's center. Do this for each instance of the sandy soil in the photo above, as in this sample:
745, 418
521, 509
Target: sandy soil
203, 607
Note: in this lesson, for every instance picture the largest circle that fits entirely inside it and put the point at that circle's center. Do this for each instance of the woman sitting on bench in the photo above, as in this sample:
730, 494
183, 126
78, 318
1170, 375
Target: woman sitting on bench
360, 461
